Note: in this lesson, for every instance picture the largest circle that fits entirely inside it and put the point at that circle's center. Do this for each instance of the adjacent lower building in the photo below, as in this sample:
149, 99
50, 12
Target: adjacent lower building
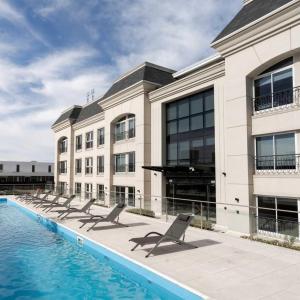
16, 174
224, 132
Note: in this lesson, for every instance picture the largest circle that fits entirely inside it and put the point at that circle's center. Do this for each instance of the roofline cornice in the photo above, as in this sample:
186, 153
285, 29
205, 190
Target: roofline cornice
185, 84
96, 118
216, 43
269, 28
131, 92
62, 125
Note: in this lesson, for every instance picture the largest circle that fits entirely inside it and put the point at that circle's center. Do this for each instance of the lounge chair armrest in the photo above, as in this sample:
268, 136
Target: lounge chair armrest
153, 232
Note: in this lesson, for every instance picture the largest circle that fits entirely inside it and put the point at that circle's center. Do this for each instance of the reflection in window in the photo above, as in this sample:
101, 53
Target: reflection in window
190, 130
274, 87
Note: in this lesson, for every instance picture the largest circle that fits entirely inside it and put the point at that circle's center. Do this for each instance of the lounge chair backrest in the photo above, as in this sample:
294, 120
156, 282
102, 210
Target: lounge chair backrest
115, 212
69, 200
86, 207
46, 195
179, 226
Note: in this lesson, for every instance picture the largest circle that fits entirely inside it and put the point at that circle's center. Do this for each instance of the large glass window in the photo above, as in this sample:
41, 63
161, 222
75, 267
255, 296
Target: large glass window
190, 130
275, 152
131, 196
274, 87
78, 189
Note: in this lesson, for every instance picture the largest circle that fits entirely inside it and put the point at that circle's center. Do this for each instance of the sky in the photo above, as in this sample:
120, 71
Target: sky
52, 52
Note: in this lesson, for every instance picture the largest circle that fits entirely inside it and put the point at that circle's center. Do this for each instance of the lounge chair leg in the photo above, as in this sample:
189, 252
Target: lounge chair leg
157, 244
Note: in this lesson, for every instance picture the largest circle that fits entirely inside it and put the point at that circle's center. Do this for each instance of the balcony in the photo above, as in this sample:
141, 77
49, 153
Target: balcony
277, 101
124, 168
124, 135
273, 164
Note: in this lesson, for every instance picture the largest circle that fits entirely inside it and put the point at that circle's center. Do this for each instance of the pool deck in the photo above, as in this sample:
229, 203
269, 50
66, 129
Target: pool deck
222, 267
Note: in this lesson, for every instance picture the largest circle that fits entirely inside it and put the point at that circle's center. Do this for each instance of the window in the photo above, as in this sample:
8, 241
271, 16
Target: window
1, 168
190, 130
131, 127
131, 162
100, 192
276, 152
125, 128
62, 187
274, 87
17, 168
78, 143
120, 163
125, 162
63, 145
33, 168
100, 139
89, 165
278, 215
120, 195
78, 189
49, 169
89, 140
100, 164
63, 167
78, 166
88, 191
131, 196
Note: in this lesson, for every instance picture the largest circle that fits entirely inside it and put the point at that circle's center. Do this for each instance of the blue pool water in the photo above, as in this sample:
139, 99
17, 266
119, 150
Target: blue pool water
36, 263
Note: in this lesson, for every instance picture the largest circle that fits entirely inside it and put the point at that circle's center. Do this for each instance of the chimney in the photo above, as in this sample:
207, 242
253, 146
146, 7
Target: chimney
247, 2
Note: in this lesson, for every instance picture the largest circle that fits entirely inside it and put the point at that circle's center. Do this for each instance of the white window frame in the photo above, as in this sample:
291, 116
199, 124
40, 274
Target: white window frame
98, 136
78, 184
76, 170
89, 166
76, 144
273, 135
99, 158
88, 191
102, 192
89, 140
272, 73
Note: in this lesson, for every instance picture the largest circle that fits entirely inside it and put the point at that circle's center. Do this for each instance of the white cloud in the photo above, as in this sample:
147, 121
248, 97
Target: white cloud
172, 33
12, 15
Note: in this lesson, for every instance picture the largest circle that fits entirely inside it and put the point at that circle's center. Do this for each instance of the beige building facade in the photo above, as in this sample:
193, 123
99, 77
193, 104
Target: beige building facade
224, 132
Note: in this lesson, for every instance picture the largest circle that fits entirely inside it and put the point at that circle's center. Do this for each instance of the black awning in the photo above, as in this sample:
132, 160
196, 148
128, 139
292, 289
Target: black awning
207, 169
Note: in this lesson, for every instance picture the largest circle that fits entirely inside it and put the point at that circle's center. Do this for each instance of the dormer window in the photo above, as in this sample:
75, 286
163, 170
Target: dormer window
274, 87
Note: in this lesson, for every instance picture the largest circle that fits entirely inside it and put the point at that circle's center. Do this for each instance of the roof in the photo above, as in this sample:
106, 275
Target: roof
70, 114
251, 12
147, 71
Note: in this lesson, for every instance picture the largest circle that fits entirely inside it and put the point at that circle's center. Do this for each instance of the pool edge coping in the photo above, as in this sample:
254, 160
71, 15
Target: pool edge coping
123, 256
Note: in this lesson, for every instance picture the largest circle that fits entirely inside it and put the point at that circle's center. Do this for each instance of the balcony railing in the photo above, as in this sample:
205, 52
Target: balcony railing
125, 168
278, 163
124, 135
277, 100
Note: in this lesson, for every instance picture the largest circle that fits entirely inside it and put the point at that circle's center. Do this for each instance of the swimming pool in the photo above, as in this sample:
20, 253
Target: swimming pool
40, 259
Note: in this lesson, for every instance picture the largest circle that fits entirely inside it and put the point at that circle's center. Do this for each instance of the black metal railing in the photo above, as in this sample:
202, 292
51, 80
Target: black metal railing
278, 162
124, 135
277, 99
125, 168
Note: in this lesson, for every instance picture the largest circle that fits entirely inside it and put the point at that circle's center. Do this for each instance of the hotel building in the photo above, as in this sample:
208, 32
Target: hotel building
224, 131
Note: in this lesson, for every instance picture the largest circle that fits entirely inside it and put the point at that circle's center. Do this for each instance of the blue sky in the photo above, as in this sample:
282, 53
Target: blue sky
53, 51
